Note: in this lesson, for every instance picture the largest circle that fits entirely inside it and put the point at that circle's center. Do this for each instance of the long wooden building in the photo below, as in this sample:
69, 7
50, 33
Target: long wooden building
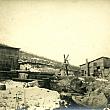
99, 66
8, 59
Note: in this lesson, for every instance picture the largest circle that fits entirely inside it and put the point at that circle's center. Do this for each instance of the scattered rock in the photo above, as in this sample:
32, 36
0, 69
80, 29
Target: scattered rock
2, 86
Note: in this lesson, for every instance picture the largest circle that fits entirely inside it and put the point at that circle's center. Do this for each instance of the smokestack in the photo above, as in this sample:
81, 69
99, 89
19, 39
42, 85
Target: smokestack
87, 68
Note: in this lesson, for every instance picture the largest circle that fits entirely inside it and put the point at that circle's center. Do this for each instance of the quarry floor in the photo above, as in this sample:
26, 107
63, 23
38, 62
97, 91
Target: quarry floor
35, 98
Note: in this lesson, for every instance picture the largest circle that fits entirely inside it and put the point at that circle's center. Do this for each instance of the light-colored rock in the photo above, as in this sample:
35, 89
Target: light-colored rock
32, 96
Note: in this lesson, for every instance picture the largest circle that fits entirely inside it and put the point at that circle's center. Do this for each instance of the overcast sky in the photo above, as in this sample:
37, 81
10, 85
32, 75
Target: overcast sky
51, 28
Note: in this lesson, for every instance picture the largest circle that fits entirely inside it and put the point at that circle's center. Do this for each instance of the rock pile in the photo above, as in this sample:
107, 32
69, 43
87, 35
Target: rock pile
97, 94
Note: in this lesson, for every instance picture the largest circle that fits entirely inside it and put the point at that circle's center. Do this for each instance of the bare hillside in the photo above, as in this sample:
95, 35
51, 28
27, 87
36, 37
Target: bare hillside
52, 63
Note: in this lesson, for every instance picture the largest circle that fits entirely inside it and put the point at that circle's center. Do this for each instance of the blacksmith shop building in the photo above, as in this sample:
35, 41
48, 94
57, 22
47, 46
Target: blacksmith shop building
97, 67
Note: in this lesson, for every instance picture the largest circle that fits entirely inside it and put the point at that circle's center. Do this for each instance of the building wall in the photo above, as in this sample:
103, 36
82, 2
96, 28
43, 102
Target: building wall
107, 62
8, 59
83, 70
97, 67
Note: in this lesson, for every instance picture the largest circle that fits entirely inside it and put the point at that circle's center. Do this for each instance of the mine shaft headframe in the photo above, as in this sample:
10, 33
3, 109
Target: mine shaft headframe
66, 58
66, 63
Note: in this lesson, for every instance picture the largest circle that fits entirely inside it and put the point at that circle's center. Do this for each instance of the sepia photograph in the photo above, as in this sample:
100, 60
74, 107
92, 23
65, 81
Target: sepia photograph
54, 54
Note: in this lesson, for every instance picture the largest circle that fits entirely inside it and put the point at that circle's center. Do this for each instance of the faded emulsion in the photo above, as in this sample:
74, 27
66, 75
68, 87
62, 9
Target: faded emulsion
54, 54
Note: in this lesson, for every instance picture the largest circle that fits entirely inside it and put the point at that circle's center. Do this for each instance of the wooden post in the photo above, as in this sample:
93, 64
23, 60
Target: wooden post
17, 100
24, 96
87, 68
